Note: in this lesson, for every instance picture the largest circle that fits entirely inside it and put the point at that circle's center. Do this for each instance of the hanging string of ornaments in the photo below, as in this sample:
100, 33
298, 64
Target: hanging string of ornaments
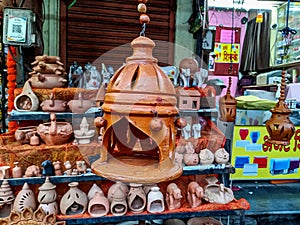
11, 84
144, 18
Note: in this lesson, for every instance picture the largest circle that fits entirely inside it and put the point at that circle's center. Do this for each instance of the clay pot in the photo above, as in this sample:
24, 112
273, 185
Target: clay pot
203, 221
6, 199
218, 193
174, 222
17, 171
98, 205
27, 100
25, 199
47, 81
74, 201
54, 105
23, 134
34, 140
136, 198
79, 105
155, 201
55, 133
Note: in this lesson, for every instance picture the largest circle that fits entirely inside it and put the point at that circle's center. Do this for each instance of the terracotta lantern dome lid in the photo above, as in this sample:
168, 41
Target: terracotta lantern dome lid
140, 84
228, 100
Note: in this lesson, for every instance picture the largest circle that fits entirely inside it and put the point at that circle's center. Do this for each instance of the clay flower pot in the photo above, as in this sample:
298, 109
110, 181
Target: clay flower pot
74, 201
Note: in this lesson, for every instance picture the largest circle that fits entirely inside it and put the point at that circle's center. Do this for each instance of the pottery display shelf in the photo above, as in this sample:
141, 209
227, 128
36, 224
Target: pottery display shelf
187, 170
39, 115
237, 207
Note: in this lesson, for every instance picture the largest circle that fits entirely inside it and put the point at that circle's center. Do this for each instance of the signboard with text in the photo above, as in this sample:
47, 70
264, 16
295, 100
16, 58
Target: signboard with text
255, 158
227, 53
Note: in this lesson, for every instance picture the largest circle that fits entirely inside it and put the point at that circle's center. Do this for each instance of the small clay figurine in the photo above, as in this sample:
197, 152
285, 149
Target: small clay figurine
221, 156
173, 196
196, 130
48, 168
194, 194
68, 168
81, 167
186, 131
33, 171
206, 157
57, 168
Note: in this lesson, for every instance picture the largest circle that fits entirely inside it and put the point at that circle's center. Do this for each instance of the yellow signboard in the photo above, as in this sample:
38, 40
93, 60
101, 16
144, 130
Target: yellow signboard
227, 53
255, 158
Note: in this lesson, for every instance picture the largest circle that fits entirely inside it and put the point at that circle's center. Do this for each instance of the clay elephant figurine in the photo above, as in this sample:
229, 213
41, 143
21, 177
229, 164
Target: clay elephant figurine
194, 194
173, 196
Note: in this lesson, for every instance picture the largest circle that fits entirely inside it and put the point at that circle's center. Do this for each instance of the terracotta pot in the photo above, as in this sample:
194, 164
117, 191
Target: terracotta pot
34, 140
17, 171
25, 199
54, 105
74, 201
55, 133
47, 81
80, 105
98, 205
218, 193
27, 100
203, 221
23, 134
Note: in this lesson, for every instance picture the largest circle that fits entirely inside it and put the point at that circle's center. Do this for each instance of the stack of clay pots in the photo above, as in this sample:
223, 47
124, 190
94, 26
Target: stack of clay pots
48, 72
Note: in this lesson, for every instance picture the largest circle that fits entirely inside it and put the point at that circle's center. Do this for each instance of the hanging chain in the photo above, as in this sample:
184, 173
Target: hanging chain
144, 18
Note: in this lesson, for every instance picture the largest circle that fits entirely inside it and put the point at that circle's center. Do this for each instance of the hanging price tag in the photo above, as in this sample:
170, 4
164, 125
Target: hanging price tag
259, 18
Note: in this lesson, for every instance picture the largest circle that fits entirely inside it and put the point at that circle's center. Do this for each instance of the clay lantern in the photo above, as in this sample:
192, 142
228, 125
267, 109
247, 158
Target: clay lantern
139, 132
227, 106
279, 126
